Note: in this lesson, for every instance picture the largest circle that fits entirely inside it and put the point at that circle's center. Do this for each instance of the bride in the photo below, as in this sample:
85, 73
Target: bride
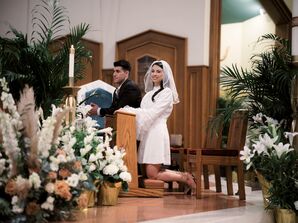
151, 125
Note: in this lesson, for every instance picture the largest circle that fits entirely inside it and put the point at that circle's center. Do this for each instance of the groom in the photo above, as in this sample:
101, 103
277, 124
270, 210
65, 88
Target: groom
126, 93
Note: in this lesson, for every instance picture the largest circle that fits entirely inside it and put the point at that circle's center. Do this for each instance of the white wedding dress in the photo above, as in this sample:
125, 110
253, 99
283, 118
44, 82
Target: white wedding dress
151, 125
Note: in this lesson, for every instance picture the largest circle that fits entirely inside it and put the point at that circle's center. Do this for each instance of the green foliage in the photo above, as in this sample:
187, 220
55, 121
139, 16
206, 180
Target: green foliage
5, 210
283, 191
43, 61
269, 152
266, 88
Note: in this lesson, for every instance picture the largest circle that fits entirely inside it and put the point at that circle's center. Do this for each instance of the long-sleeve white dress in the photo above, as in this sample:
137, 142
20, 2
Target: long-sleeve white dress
151, 125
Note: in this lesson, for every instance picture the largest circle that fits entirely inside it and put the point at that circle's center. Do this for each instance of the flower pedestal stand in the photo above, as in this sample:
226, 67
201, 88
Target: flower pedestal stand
108, 193
265, 188
285, 216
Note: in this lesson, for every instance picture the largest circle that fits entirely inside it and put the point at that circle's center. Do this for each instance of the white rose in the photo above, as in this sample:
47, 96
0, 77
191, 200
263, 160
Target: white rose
110, 169
125, 176
50, 187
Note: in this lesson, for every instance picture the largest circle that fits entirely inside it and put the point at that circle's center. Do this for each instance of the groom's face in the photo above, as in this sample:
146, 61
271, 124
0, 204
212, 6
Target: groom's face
119, 75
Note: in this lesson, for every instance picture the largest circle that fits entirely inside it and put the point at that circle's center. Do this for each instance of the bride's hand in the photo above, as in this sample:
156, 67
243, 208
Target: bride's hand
120, 109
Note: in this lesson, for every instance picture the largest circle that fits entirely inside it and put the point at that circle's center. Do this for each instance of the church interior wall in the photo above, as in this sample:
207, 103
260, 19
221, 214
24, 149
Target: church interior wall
115, 20
238, 40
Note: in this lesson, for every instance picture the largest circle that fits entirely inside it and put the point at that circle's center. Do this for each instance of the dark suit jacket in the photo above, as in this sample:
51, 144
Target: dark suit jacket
129, 94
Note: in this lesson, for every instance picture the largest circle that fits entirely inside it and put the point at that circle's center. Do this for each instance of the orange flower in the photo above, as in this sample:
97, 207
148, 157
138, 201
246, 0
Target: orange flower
52, 175
10, 187
62, 189
32, 208
83, 201
64, 173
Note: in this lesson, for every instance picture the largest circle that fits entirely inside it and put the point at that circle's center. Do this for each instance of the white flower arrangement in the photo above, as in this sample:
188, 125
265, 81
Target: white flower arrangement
39, 178
267, 139
92, 146
270, 152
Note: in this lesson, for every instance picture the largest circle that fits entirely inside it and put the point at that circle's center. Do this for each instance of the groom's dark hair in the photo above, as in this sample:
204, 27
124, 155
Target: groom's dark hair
124, 64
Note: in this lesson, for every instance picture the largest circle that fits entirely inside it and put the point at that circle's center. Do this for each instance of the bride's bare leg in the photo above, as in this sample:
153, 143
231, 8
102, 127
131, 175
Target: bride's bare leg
153, 172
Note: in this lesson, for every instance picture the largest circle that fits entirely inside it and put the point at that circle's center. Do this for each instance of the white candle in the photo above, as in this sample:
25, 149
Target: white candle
71, 61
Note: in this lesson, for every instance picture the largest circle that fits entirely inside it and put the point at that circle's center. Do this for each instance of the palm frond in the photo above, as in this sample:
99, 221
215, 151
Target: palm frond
48, 21
35, 62
267, 85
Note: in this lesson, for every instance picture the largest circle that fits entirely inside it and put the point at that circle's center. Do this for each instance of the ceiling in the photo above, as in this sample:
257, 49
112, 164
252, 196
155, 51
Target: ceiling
234, 11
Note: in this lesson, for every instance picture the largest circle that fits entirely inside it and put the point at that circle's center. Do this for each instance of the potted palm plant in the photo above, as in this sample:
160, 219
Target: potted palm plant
35, 62
266, 87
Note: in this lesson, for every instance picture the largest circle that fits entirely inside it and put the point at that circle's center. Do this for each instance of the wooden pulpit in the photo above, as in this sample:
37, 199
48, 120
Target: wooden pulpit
125, 126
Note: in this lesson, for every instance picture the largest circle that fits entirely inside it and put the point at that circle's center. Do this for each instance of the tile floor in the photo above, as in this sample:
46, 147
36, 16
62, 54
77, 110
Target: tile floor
178, 208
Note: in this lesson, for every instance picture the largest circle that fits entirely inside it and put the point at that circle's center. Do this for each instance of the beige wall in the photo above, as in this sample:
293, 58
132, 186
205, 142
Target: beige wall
240, 40
114, 20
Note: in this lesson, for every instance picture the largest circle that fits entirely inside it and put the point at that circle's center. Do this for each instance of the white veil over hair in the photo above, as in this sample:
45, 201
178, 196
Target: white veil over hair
168, 79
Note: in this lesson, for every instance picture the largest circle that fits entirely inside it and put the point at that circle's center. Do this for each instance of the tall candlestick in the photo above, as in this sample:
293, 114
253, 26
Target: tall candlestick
71, 65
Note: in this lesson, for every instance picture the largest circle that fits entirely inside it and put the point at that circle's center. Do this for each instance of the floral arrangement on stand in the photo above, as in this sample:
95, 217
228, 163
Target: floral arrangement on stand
40, 178
45, 166
269, 152
92, 146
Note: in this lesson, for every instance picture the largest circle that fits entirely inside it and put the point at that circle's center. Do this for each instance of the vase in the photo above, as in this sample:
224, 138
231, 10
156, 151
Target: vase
265, 185
108, 193
285, 216
90, 197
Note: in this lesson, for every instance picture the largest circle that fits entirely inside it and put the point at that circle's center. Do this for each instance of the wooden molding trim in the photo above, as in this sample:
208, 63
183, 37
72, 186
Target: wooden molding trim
295, 60
295, 21
281, 16
278, 11
197, 102
214, 54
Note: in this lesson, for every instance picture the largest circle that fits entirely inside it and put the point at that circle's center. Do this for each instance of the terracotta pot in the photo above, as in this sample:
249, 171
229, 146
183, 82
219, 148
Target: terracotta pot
285, 216
108, 193
265, 188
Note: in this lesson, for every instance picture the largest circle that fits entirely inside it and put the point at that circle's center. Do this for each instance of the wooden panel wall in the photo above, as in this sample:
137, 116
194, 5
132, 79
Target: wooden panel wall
107, 76
196, 105
93, 69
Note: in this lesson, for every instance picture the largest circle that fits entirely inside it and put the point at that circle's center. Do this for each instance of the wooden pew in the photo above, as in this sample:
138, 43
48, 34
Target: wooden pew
124, 125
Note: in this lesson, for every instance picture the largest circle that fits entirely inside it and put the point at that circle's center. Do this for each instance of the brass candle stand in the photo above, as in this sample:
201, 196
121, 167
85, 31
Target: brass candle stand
70, 102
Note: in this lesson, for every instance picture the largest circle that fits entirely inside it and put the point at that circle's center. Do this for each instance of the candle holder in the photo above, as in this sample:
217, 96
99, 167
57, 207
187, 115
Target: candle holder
70, 102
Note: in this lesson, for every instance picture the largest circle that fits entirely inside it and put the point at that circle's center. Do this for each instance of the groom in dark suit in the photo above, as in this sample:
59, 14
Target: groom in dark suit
126, 93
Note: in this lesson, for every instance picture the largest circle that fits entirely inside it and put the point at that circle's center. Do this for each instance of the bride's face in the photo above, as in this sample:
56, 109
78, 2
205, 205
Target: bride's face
156, 75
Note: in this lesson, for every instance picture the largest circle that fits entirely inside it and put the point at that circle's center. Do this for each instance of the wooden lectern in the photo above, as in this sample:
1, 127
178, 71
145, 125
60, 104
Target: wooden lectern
124, 125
